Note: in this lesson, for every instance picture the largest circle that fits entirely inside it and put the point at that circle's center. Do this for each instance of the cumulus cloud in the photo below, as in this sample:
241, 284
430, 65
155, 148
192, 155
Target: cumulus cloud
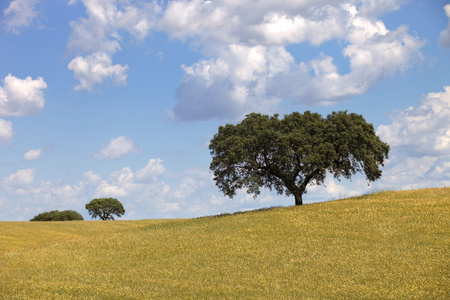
92, 178
421, 129
420, 141
6, 132
20, 14
119, 184
94, 69
142, 183
117, 148
444, 37
19, 182
187, 187
33, 154
100, 35
21, 97
246, 65
143, 192
145, 187
151, 171
105, 22
189, 193
249, 67
30, 196
379, 7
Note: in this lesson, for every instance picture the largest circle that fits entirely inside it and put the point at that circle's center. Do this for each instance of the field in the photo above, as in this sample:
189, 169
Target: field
386, 245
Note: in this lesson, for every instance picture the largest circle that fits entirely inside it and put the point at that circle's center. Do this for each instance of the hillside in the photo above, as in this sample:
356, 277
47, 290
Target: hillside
385, 245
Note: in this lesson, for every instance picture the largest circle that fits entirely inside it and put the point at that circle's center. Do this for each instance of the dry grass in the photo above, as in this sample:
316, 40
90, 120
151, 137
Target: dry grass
389, 245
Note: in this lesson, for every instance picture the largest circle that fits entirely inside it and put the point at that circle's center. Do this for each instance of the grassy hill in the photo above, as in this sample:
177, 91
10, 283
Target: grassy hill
388, 245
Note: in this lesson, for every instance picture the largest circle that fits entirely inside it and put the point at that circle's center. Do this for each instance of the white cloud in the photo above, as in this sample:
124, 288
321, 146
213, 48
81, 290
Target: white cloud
106, 20
379, 7
441, 169
126, 183
249, 67
224, 89
420, 141
66, 190
20, 97
92, 178
147, 196
20, 182
141, 198
405, 171
151, 195
151, 171
246, 65
6, 132
373, 53
117, 148
444, 37
33, 154
20, 14
169, 207
119, 184
94, 69
32, 197
100, 35
422, 129
186, 188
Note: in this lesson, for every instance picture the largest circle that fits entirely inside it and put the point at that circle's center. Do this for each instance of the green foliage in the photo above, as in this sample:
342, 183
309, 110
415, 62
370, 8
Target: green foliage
55, 215
105, 208
288, 154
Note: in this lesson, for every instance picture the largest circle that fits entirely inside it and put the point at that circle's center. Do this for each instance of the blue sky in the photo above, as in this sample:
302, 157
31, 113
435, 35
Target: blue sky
119, 98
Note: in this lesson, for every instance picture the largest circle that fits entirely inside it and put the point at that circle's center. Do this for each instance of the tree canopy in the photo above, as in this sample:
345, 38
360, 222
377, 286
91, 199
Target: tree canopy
288, 154
105, 208
55, 215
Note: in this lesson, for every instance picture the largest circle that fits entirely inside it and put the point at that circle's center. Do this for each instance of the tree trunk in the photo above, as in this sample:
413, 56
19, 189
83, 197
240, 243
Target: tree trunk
297, 192
298, 199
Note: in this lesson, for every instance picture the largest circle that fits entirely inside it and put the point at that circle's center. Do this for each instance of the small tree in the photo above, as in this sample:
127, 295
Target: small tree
55, 215
288, 154
105, 208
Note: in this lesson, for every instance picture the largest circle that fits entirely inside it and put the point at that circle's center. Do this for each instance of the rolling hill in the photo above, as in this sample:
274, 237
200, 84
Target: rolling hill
386, 245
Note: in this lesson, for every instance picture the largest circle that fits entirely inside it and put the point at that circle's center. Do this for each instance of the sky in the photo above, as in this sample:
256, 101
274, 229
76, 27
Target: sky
120, 98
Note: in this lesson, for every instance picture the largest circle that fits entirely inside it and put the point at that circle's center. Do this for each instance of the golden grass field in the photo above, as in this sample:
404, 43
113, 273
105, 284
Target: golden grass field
387, 245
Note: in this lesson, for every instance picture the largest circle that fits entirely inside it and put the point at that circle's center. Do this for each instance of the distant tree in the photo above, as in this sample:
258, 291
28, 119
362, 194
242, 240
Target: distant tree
288, 154
105, 208
69, 215
55, 215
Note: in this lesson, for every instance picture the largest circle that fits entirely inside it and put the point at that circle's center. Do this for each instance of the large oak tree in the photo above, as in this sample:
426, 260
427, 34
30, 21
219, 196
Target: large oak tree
105, 208
290, 153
